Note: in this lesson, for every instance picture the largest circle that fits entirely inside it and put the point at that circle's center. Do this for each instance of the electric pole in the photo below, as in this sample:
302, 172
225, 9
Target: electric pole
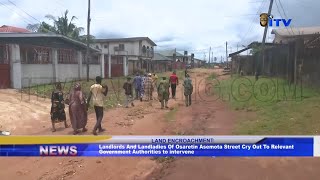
212, 55
227, 53
88, 40
264, 36
209, 54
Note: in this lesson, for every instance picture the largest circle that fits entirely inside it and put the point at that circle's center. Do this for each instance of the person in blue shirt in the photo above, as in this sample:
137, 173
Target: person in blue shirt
137, 82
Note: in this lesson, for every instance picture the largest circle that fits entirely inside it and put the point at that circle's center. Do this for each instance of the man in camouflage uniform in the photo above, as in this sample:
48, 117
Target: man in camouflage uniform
188, 89
163, 92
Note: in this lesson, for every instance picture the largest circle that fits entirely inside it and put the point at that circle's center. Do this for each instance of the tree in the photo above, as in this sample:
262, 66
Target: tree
83, 38
256, 49
61, 25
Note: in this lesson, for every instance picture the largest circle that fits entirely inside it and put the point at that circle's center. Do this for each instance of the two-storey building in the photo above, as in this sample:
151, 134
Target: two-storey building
125, 56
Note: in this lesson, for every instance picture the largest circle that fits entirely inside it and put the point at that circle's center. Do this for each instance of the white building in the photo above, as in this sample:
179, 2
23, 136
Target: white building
124, 56
28, 59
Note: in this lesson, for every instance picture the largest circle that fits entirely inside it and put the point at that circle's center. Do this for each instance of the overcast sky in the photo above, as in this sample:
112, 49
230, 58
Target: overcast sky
192, 25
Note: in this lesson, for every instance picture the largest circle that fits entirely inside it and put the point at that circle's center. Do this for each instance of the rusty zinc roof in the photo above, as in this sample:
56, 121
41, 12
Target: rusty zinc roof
12, 29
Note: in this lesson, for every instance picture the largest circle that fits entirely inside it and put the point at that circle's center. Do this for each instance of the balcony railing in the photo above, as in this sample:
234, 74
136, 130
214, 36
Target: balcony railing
148, 53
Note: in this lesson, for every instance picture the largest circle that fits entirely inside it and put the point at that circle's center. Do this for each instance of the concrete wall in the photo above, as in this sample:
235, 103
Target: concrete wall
132, 47
33, 74
94, 71
67, 72
15, 66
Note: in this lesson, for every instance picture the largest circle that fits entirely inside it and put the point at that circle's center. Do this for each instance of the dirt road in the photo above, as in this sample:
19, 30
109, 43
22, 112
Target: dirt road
203, 117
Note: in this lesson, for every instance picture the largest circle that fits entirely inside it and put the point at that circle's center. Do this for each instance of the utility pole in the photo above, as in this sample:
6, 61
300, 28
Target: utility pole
227, 53
88, 40
264, 36
209, 54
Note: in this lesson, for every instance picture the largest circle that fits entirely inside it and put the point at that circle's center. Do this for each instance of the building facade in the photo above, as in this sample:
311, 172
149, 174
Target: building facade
28, 59
125, 56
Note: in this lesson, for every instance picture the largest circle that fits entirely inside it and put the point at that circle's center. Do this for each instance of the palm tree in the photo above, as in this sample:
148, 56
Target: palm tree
65, 27
61, 25
41, 27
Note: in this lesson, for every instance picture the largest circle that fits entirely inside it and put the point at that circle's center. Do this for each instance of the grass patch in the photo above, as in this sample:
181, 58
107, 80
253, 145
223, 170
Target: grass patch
212, 76
171, 115
281, 108
163, 159
115, 94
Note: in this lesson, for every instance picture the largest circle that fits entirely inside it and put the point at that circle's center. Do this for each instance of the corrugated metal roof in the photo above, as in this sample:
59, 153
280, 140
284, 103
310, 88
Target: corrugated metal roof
296, 31
13, 29
4, 35
125, 40
169, 53
160, 57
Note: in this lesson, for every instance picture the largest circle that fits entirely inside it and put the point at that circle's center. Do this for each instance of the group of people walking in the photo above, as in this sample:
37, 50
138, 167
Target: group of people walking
78, 106
146, 84
143, 84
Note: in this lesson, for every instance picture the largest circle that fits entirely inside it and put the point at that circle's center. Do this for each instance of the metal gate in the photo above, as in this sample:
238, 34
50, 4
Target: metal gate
4, 67
116, 67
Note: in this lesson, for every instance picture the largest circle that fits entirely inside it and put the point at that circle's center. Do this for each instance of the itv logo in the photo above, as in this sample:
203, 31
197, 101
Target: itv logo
266, 20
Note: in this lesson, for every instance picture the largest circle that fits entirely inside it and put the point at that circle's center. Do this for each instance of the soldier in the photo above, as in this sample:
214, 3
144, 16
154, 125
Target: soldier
188, 89
163, 92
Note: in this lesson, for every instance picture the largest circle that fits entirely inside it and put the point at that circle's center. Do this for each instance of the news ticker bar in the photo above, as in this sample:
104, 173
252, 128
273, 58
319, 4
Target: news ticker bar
241, 146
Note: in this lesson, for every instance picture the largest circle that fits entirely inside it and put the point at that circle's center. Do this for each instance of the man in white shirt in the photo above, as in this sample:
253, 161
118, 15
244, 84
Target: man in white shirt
98, 92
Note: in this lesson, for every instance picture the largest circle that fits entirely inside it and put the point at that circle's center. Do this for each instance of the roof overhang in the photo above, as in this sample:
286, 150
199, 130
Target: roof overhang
125, 40
253, 44
42, 39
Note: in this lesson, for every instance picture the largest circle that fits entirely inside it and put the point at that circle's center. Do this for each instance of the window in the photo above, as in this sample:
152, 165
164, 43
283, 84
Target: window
144, 49
4, 54
97, 47
148, 51
35, 55
106, 46
121, 47
94, 59
67, 56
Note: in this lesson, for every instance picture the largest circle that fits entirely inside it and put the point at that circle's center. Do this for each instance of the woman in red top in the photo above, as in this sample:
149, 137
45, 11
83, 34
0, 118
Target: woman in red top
174, 81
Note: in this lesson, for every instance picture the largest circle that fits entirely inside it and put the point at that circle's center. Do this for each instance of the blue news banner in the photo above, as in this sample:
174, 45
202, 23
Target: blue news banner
265, 147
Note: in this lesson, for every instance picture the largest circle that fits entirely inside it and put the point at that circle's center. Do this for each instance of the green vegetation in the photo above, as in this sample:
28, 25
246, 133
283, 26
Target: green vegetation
171, 115
61, 25
165, 160
212, 76
280, 108
115, 93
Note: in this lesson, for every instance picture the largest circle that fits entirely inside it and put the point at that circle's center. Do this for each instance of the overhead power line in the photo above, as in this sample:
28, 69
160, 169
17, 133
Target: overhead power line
23, 11
27, 21
252, 23
285, 15
281, 16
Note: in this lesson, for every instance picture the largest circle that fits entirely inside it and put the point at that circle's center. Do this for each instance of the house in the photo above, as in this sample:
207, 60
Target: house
28, 59
198, 63
13, 29
179, 60
160, 63
285, 35
250, 64
124, 56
